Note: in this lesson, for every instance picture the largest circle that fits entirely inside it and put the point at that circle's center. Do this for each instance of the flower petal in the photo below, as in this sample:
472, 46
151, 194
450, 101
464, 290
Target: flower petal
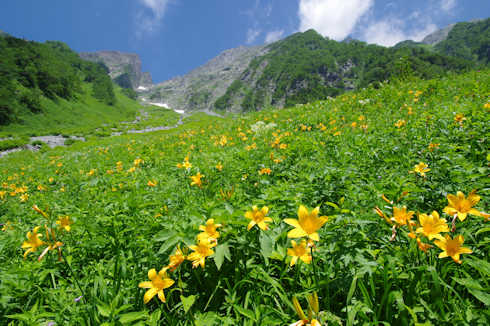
161, 296
293, 222
265, 210
314, 236
149, 294
145, 285
152, 273
297, 233
302, 212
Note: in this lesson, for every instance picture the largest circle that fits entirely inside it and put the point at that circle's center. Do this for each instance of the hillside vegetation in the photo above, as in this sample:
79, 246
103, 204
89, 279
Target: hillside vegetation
39, 78
468, 40
305, 67
199, 225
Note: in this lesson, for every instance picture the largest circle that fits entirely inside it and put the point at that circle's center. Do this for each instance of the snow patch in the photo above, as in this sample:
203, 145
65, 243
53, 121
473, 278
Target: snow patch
142, 88
165, 105
162, 105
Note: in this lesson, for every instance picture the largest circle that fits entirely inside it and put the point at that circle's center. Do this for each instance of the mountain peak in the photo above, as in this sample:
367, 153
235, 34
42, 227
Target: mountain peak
124, 68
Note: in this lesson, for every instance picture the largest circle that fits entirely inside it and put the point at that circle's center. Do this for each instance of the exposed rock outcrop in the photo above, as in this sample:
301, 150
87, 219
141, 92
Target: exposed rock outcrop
124, 68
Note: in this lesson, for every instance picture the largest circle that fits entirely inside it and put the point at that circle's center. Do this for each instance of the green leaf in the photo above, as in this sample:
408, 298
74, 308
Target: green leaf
266, 245
133, 316
482, 266
154, 319
164, 235
170, 243
245, 312
332, 205
187, 302
221, 252
475, 288
352, 289
104, 310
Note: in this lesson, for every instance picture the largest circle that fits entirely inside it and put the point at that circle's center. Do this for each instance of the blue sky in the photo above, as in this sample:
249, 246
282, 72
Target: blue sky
173, 37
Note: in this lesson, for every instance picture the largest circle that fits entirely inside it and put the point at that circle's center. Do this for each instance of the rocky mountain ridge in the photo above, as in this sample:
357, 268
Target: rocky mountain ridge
199, 89
124, 68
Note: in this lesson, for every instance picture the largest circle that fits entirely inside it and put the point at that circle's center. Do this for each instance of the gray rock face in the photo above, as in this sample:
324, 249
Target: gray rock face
124, 68
438, 36
199, 89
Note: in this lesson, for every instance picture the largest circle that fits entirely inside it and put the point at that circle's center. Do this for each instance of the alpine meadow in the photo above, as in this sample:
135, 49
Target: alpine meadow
302, 182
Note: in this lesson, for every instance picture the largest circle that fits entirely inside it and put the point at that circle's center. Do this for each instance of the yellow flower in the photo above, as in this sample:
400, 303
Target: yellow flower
400, 123
201, 251
138, 161
33, 241
196, 179
24, 198
452, 247
37, 209
306, 321
421, 168
258, 217
187, 165
176, 259
401, 216
2, 194
64, 222
463, 206
433, 146
265, 171
219, 167
431, 225
459, 118
152, 183
158, 283
300, 251
307, 224
7, 226
209, 230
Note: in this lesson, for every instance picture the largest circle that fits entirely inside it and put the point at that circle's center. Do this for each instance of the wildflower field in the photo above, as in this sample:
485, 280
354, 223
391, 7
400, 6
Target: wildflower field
367, 209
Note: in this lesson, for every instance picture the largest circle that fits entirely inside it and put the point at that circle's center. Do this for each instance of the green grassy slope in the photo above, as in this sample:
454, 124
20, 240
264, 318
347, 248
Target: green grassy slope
74, 116
131, 206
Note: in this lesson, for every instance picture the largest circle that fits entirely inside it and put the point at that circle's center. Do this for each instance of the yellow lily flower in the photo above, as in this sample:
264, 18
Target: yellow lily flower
201, 251
258, 217
33, 241
209, 230
401, 216
300, 251
196, 179
307, 224
64, 222
461, 206
452, 247
305, 321
176, 259
432, 225
158, 283
421, 168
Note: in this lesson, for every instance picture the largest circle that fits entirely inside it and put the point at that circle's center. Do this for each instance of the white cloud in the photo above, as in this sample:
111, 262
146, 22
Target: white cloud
448, 5
274, 36
390, 31
149, 22
333, 18
252, 34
